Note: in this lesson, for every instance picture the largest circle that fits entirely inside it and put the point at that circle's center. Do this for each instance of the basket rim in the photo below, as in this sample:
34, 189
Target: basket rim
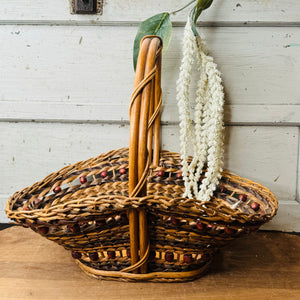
105, 204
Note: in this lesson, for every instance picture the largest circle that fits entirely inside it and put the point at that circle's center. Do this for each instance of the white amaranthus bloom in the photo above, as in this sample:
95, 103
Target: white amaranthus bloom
206, 132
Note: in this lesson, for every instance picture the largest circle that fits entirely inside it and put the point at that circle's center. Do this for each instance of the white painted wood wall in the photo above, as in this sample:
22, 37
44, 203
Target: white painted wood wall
66, 81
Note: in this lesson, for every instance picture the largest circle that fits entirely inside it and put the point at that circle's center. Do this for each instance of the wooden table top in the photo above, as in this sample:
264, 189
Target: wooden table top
265, 265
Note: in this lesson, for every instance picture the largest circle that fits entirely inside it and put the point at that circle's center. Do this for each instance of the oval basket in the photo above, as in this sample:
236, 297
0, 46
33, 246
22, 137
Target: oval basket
122, 214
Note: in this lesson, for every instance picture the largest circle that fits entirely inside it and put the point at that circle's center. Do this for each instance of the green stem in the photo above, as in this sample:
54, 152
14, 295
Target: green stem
176, 11
199, 8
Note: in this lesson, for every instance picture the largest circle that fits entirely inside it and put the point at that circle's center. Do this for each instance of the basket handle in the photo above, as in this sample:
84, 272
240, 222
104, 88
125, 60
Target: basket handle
144, 116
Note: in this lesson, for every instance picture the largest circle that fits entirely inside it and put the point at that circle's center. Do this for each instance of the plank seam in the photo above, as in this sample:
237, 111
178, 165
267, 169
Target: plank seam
271, 115
136, 23
126, 122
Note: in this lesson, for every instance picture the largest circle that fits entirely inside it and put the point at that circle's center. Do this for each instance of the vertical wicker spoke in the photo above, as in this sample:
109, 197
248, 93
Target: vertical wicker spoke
143, 104
150, 130
133, 152
157, 120
146, 103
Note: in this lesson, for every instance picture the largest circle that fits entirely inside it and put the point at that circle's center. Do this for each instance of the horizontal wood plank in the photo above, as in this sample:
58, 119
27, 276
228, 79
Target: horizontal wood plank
242, 12
94, 65
30, 151
3, 218
254, 267
266, 155
279, 115
298, 173
286, 219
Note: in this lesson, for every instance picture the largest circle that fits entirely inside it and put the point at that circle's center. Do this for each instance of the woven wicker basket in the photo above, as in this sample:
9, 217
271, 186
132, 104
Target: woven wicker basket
122, 213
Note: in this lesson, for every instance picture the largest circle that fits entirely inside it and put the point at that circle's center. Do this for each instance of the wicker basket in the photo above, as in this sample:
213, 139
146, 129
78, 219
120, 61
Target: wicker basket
122, 213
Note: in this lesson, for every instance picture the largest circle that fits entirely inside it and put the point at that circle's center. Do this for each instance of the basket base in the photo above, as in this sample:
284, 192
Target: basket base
153, 277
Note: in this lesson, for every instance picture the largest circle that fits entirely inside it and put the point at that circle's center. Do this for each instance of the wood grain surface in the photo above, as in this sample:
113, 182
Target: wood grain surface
259, 266
258, 152
85, 65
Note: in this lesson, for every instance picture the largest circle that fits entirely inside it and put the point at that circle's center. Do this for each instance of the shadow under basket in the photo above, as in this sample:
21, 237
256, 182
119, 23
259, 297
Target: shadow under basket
122, 215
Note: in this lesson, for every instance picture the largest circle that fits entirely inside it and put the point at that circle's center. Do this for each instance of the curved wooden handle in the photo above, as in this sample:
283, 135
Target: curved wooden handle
144, 116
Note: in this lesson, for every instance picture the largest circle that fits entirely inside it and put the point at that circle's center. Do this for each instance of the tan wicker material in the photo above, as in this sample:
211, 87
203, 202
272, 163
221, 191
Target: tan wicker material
122, 213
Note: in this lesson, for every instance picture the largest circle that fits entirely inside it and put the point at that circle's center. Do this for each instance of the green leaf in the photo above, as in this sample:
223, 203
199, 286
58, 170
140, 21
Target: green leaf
204, 4
199, 7
157, 25
196, 12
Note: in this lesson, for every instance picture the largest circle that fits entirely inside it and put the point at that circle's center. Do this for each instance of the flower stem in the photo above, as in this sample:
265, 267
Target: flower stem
176, 11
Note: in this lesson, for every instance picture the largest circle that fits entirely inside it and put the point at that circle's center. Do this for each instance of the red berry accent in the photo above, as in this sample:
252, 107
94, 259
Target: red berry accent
57, 189
111, 254
255, 206
25, 208
76, 255
169, 256
161, 173
100, 222
187, 258
200, 225
43, 230
243, 197
229, 230
128, 253
124, 219
122, 171
74, 228
174, 221
103, 174
82, 179
204, 257
179, 175
93, 256
209, 226
223, 189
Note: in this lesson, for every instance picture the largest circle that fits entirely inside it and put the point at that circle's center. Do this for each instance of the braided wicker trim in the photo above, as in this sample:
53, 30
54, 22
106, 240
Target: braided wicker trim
154, 276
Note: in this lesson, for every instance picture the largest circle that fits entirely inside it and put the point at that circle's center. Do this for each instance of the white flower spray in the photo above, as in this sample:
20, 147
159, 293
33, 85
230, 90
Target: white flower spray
205, 133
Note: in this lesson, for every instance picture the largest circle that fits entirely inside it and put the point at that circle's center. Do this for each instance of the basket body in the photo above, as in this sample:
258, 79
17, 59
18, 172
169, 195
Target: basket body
91, 219
123, 215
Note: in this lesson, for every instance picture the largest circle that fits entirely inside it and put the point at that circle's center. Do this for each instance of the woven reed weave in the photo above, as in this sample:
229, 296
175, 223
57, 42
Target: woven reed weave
122, 213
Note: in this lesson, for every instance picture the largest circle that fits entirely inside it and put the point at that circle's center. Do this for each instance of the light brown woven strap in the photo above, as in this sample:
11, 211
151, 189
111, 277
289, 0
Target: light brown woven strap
144, 116
154, 276
140, 262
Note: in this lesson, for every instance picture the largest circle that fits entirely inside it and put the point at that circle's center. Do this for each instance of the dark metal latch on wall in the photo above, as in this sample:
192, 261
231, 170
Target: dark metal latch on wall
86, 6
